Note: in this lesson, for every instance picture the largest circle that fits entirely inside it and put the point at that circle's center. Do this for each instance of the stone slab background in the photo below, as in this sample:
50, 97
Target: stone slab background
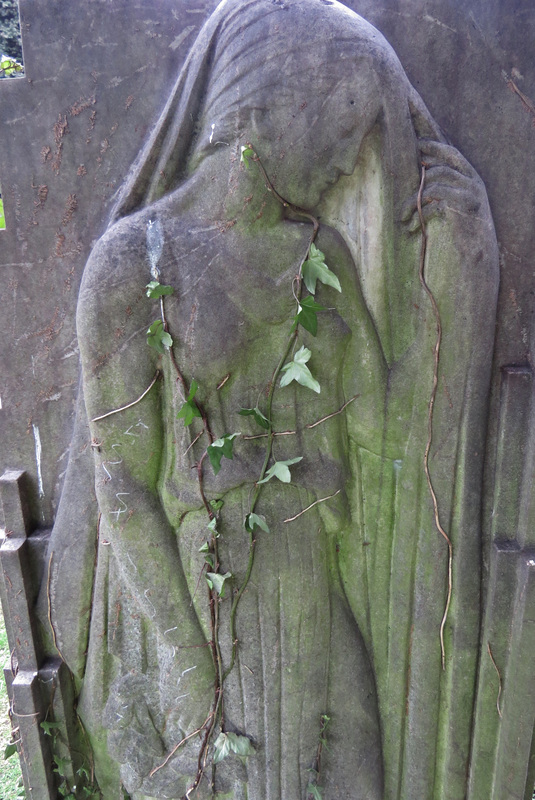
97, 75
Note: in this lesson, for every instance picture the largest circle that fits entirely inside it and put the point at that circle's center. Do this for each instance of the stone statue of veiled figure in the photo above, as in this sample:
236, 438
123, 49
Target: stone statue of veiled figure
343, 609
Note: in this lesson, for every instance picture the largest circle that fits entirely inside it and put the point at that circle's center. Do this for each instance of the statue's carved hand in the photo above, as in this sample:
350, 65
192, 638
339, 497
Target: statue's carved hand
451, 185
134, 716
186, 687
132, 736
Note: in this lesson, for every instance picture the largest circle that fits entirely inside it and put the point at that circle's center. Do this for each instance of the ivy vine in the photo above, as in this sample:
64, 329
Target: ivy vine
292, 366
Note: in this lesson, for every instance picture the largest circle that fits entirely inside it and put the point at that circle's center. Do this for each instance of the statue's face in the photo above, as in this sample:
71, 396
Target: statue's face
321, 139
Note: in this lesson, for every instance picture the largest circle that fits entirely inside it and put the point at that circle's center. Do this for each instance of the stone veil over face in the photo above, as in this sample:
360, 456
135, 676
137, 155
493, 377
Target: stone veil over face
340, 622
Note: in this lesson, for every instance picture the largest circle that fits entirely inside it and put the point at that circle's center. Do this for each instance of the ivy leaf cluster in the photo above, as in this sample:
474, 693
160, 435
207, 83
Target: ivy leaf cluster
219, 448
314, 791
253, 521
50, 727
297, 370
189, 409
246, 153
216, 581
280, 470
10, 750
158, 337
227, 743
307, 315
259, 418
315, 269
155, 289
9, 67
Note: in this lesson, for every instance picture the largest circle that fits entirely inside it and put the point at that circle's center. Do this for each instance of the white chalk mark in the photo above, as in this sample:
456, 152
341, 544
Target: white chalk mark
175, 44
117, 444
118, 495
141, 424
149, 600
435, 21
127, 433
0, 403
106, 470
181, 697
531, 562
52, 397
170, 629
130, 559
38, 453
212, 133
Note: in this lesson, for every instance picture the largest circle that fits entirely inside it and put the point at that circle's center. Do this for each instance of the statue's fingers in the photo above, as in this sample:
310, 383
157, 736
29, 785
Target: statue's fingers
445, 175
410, 207
433, 194
434, 207
440, 154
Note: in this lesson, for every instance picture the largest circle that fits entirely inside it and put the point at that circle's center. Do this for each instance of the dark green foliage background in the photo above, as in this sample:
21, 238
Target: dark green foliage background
10, 41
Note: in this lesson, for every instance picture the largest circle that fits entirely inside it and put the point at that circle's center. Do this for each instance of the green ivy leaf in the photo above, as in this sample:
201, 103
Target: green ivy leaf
217, 581
315, 791
246, 154
280, 470
212, 526
83, 773
240, 745
205, 548
9, 66
219, 448
227, 743
158, 337
259, 418
50, 726
10, 750
221, 748
315, 269
217, 504
307, 315
61, 765
155, 289
297, 370
255, 520
189, 410
210, 560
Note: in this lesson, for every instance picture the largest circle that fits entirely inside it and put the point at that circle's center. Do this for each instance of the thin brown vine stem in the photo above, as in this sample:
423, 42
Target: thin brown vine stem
315, 503
319, 750
265, 435
301, 212
214, 607
334, 414
489, 651
177, 747
431, 405
129, 405
269, 404
211, 721
194, 442
183, 382
50, 606
201, 486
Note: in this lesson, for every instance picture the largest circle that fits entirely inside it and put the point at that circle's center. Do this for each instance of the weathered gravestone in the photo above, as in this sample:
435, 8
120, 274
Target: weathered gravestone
275, 536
